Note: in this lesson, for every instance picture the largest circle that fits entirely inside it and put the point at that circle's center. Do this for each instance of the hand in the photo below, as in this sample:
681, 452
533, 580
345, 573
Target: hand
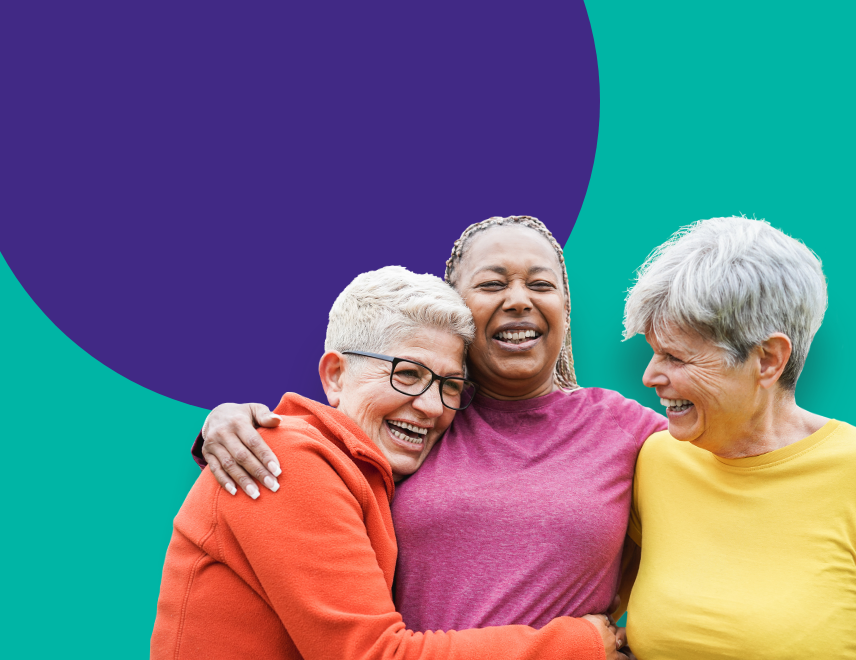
234, 450
613, 638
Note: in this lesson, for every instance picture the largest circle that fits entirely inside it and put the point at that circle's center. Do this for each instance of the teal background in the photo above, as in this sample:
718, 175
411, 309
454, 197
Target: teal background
706, 109
717, 109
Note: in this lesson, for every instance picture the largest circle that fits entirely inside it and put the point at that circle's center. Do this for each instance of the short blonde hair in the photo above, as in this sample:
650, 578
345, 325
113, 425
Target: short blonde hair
382, 308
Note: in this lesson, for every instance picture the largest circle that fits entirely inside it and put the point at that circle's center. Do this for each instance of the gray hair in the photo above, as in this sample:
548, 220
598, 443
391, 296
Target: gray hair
734, 281
382, 308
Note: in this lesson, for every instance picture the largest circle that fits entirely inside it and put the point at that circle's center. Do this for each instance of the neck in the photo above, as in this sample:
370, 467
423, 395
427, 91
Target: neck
779, 424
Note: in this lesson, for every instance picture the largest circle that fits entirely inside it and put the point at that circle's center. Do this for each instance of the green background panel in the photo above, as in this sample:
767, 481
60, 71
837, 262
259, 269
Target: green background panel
707, 109
717, 109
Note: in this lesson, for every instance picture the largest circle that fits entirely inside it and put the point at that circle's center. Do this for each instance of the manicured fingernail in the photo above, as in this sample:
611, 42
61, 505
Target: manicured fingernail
279, 417
271, 484
230, 488
253, 491
274, 468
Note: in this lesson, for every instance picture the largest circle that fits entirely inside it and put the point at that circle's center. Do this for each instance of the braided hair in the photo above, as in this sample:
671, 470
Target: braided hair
564, 372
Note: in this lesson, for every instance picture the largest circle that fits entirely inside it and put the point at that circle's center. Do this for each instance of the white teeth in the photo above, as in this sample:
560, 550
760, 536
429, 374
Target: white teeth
410, 427
675, 403
517, 336
401, 436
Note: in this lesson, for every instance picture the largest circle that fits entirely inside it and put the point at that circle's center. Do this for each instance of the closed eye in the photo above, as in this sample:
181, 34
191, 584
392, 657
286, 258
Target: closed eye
492, 285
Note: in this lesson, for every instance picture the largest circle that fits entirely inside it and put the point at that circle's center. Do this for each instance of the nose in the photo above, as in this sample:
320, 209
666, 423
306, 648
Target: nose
517, 298
429, 403
654, 375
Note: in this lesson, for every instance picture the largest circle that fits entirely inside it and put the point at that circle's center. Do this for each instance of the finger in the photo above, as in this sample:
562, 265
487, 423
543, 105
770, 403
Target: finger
263, 416
219, 473
250, 438
244, 447
234, 470
620, 637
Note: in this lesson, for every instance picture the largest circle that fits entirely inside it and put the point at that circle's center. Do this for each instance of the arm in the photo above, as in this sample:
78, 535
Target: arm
317, 554
233, 450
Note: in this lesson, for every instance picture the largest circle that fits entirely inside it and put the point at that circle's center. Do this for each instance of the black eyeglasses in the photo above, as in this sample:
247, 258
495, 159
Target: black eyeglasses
414, 378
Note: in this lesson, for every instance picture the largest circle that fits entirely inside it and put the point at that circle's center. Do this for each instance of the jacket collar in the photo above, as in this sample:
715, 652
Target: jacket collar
342, 427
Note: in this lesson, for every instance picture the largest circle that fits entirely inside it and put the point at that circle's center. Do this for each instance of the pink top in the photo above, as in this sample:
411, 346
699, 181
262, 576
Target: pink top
519, 514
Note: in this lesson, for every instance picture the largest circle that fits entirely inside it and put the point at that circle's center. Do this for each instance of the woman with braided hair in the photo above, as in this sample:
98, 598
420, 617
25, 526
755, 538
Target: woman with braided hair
519, 514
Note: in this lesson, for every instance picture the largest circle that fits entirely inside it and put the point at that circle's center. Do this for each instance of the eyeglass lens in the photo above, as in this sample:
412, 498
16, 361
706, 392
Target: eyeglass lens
414, 379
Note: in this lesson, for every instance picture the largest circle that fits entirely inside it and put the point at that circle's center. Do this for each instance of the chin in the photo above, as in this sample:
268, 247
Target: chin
405, 468
681, 433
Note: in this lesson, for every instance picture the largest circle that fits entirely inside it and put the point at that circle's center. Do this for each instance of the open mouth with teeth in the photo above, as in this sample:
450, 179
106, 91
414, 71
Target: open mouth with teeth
516, 336
409, 433
676, 405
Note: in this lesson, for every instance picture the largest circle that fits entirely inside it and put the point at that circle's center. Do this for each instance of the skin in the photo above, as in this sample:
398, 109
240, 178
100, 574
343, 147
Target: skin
511, 279
738, 411
510, 275
362, 391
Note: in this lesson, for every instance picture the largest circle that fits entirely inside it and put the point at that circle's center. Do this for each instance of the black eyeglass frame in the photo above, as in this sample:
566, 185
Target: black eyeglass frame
396, 361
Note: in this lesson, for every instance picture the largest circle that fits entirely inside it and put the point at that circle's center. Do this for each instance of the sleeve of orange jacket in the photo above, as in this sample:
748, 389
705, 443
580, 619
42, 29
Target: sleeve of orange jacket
310, 551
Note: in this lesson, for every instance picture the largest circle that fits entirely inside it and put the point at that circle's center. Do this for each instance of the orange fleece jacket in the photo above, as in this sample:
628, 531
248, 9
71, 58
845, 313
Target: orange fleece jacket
307, 572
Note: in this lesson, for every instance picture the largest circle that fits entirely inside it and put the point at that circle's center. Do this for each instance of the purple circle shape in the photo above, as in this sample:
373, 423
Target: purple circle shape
187, 186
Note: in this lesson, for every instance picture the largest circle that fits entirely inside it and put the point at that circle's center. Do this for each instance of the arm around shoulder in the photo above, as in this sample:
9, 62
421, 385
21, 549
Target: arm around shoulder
315, 550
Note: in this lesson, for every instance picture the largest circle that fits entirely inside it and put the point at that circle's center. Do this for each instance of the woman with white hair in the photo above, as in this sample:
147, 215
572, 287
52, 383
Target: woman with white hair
745, 510
308, 574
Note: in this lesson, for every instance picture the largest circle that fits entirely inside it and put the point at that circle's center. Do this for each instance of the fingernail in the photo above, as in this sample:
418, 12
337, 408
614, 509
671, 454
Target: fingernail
271, 484
253, 491
230, 488
279, 417
274, 468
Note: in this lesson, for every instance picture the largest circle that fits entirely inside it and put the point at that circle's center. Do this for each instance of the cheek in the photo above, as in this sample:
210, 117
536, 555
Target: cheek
556, 314
482, 309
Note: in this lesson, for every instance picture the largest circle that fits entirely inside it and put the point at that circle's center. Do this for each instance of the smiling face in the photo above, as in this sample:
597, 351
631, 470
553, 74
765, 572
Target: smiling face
708, 402
403, 427
511, 280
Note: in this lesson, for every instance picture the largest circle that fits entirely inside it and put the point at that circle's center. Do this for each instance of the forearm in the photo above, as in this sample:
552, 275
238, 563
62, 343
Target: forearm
196, 452
561, 639
327, 576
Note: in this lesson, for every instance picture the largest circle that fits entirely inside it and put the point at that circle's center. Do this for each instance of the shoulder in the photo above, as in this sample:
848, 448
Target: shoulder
660, 443
845, 434
319, 478
661, 449
306, 454
839, 447
632, 417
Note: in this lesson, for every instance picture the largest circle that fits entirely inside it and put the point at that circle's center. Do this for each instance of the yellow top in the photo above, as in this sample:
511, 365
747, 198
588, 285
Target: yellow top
746, 558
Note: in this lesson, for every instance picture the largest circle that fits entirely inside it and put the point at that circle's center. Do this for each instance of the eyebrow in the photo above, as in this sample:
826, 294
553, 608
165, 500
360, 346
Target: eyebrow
455, 374
502, 270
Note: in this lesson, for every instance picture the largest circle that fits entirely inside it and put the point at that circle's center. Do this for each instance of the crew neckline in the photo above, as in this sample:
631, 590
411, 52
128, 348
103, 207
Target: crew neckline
517, 405
785, 453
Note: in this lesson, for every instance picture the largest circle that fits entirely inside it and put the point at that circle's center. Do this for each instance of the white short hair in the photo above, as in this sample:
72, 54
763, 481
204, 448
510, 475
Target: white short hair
380, 309
735, 281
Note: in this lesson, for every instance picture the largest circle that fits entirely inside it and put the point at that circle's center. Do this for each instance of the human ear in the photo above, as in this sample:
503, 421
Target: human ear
331, 368
775, 352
